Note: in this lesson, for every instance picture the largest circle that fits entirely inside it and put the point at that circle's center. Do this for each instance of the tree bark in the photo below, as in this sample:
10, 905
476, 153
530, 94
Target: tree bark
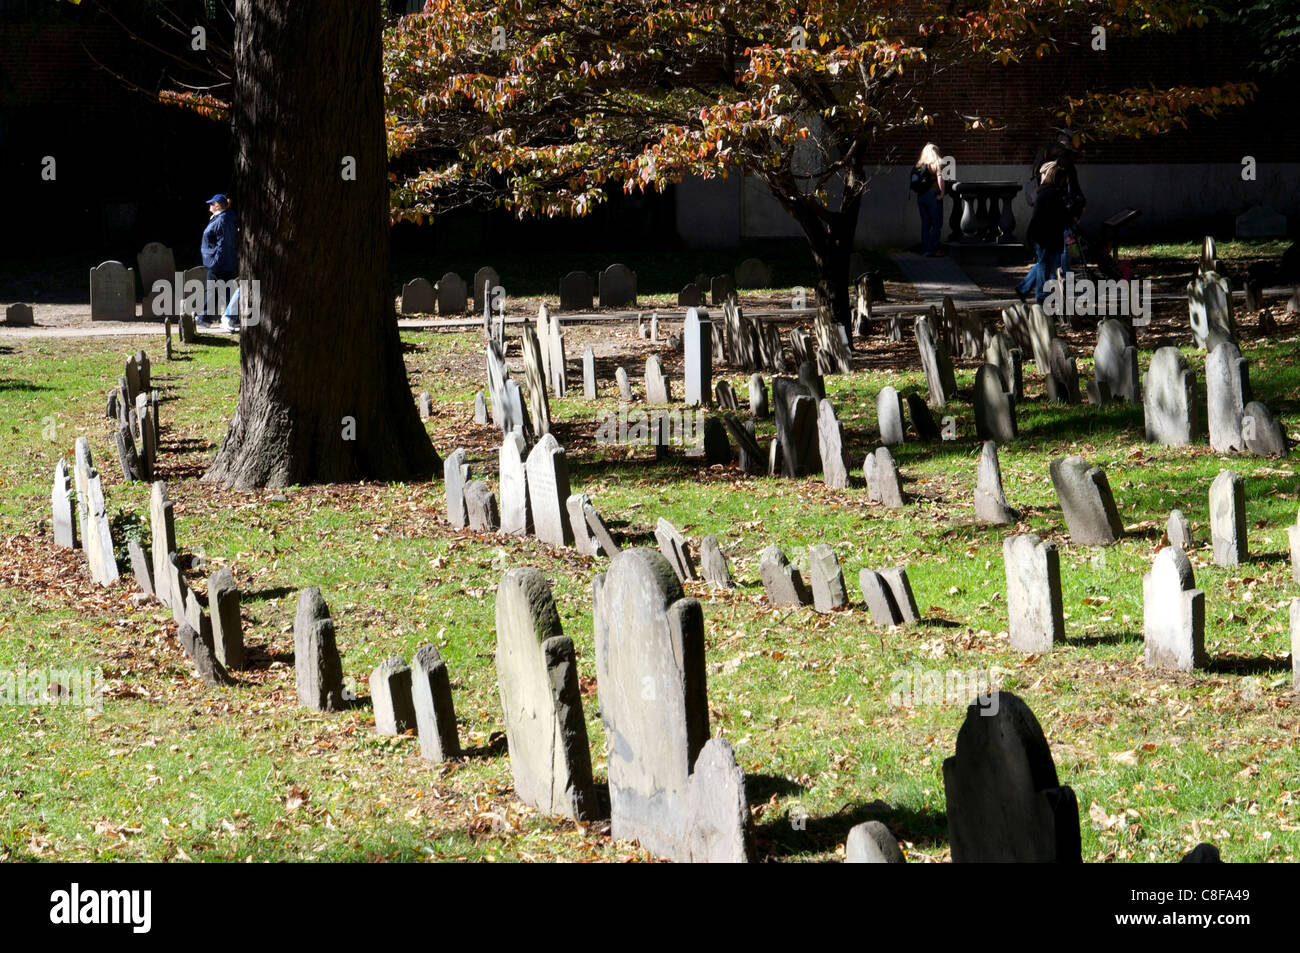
323, 393
830, 237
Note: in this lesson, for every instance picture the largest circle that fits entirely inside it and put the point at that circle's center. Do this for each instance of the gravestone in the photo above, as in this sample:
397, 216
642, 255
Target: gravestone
1227, 392
1004, 802
584, 540
516, 515
1041, 327
624, 385
604, 539
1263, 436
617, 287
589, 373
900, 588
678, 794
937, 365
753, 273
426, 405
62, 520
112, 292
318, 669
418, 297
1173, 613
1169, 399
455, 475
690, 297
883, 483
577, 291
1209, 305
726, 396
558, 368
830, 446
1178, 530
995, 407
1260, 221
751, 456
485, 277
923, 424
889, 416
1228, 518
227, 630
390, 696
1063, 374
713, 564
1115, 359
657, 390
480, 409
452, 296
675, 549
888, 595
19, 316
481, 508
721, 287
1084, 494
539, 405
717, 449
83, 466
813, 382
699, 357
198, 646
782, 582
1034, 607
178, 590
991, 505
97, 537
156, 263
162, 539
1295, 644
871, 843
826, 580
758, 406
140, 567
435, 714
548, 492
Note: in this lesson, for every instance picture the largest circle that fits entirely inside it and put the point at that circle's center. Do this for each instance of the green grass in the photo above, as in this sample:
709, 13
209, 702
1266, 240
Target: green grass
169, 769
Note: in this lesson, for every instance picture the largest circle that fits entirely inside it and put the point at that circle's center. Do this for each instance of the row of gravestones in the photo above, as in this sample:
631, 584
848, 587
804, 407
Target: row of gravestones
449, 295
616, 287
113, 292
134, 407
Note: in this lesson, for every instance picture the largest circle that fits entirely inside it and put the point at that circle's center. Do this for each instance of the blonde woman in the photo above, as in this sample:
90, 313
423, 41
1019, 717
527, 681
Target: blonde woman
927, 182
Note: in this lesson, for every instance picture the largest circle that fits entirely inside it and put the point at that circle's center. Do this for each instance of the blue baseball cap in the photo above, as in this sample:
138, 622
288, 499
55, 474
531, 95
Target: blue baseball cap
219, 197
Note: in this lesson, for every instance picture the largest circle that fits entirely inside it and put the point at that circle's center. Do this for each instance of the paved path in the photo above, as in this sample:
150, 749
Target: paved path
935, 278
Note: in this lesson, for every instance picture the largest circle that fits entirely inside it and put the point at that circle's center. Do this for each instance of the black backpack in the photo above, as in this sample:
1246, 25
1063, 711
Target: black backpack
922, 179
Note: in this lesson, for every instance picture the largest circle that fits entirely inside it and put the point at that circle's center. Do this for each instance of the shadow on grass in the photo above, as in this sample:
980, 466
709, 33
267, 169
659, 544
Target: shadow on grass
267, 594
1106, 638
1248, 664
792, 835
495, 747
13, 383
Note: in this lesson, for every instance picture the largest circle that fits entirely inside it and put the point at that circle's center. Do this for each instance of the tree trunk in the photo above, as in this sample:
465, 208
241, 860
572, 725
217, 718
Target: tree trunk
323, 394
830, 237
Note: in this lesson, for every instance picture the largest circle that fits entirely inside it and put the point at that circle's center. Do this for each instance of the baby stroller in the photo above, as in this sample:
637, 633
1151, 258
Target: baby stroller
1098, 255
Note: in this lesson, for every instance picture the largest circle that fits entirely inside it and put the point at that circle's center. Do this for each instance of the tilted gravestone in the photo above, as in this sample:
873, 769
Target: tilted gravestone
195, 634
418, 297
713, 564
1084, 494
782, 582
435, 715
1115, 359
923, 424
1062, 374
452, 296
1034, 606
624, 384
674, 548
97, 536
577, 291
1227, 392
995, 406
584, 539
1179, 531
516, 514
455, 475
1003, 354
830, 446
699, 357
883, 482
991, 505
390, 696
162, 539
1263, 435
826, 579
481, 508
589, 373
617, 287
1041, 328
63, 522
480, 409
604, 538
1173, 613
751, 456
889, 416
539, 405
548, 492
888, 595
937, 365
1228, 518
758, 406
318, 669
726, 396
1209, 306
677, 793
1169, 399
657, 390
227, 630
537, 675
112, 292
796, 428
813, 382
1004, 801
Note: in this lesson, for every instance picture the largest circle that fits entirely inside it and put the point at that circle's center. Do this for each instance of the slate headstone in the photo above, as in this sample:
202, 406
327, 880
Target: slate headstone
657, 390
995, 406
1227, 392
227, 630
481, 508
1169, 399
1084, 494
782, 582
758, 406
826, 580
584, 539
889, 416
699, 357
871, 843
318, 669
991, 505
390, 696
453, 298
1036, 614
516, 515
923, 423
577, 291
589, 373
63, 522
624, 385
97, 537
418, 297
435, 714
19, 316
617, 287
548, 492
713, 564
675, 549
830, 446
112, 292
604, 538
883, 482
1179, 530
455, 476
162, 538
1228, 518
1263, 435
1173, 609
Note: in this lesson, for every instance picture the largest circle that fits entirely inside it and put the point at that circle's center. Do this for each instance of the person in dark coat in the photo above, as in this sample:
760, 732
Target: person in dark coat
1052, 216
220, 251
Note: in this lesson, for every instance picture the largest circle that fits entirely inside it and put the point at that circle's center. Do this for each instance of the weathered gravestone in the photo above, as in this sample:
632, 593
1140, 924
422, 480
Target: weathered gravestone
589, 373
481, 508
112, 292
624, 384
576, 291
782, 582
452, 296
889, 416
1115, 359
156, 263
1169, 399
797, 429
162, 539
717, 449
1209, 305
995, 406
826, 579
480, 409
726, 396
713, 564
62, 520
1062, 374
888, 595
1084, 494
455, 475
1034, 606
140, 567
604, 538
96, 535
1178, 530
227, 630
751, 455
812, 380
937, 365
584, 538
1293, 536
690, 296
548, 492
435, 715
486, 280
991, 505
1173, 613
871, 843
699, 357
418, 297
883, 482
675, 549
19, 316
753, 273
195, 634
830, 446
318, 669
923, 424
541, 700
721, 287
757, 398
390, 696
657, 390
1005, 804
1041, 328
1228, 518
1263, 435
1227, 392
677, 793
617, 287
539, 406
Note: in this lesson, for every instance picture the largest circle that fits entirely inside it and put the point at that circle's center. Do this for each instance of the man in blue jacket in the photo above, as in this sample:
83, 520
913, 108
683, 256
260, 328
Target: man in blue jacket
220, 253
